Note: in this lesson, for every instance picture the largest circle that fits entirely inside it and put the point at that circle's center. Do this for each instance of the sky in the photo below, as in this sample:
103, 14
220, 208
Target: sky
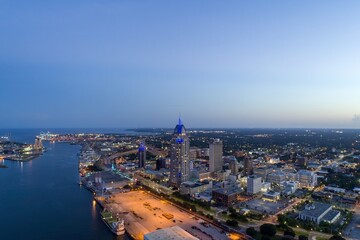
220, 64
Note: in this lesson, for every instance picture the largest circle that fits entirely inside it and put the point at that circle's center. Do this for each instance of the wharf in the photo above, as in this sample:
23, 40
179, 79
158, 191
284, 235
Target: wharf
143, 213
22, 158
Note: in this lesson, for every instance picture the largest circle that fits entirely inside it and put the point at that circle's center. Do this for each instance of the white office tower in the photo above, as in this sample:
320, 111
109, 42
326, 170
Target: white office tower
254, 184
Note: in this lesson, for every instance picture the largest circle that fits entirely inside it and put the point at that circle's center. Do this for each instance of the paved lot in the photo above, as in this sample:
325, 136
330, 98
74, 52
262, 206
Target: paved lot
261, 206
143, 213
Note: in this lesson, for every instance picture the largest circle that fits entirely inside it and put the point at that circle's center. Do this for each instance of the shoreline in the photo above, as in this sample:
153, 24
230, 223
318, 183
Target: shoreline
22, 159
101, 204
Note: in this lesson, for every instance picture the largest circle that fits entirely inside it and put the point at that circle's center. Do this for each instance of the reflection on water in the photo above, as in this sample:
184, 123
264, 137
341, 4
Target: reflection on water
44, 197
94, 210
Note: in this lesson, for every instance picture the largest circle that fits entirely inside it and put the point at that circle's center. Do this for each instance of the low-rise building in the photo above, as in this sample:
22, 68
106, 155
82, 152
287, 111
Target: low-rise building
271, 196
307, 179
265, 187
317, 212
191, 188
276, 177
334, 189
226, 197
290, 187
262, 172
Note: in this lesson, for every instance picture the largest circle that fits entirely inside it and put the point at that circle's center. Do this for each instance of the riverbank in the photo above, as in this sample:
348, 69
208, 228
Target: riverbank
45, 195
22, 158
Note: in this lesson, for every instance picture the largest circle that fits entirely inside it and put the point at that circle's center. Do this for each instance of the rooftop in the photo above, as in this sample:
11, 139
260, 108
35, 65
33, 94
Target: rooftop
315, 209
172, 233
330, 215
227, 191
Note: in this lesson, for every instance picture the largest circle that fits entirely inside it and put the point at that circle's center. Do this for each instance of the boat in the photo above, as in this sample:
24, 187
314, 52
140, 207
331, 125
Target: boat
47, 136
116, 225
4, 139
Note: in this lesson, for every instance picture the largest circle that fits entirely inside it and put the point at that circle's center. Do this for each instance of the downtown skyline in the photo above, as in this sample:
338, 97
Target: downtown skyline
274, 64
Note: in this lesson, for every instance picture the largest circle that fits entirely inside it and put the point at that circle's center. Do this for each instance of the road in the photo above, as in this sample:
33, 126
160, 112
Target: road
352, 231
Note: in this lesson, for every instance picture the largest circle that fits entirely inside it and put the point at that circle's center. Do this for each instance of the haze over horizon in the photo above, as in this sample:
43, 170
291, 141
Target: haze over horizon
127, 64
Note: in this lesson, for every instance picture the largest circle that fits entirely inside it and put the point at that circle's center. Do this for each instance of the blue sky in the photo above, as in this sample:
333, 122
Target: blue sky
140, 63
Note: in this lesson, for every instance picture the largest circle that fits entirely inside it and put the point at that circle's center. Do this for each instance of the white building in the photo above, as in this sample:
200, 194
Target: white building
290, 187
254, 184
318, 212
265, 187
192, 188
271, 196
307, 179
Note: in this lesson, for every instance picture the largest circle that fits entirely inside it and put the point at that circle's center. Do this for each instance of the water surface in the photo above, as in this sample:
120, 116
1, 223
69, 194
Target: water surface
41, 199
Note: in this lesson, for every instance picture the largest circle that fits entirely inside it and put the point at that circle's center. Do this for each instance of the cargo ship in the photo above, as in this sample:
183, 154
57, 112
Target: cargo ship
116, 225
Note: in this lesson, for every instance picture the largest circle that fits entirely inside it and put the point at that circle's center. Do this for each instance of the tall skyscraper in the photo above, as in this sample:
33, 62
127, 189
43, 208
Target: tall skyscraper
234, 167
160, 163
215, 153
180, 156
248, 166
142, 155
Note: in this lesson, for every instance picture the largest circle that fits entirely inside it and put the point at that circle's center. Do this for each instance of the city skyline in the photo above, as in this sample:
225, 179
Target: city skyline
127, 64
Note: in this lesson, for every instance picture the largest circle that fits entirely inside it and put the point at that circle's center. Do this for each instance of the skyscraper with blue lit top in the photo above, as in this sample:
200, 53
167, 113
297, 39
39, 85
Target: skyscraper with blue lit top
142, 155
180, 150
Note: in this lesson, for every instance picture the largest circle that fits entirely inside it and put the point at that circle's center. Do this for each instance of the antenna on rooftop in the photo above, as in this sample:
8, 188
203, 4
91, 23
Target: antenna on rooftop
180, 123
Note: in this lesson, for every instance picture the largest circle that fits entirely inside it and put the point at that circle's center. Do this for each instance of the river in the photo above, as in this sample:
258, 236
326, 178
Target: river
41, 199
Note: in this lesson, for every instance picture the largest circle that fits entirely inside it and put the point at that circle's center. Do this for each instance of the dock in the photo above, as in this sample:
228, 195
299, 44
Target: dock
143, 213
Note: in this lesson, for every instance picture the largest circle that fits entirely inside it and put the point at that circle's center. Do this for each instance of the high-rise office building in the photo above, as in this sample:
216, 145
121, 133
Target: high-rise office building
254, 184
160, 163
142, 155
234, 167
216, 161
180, 156
248, 166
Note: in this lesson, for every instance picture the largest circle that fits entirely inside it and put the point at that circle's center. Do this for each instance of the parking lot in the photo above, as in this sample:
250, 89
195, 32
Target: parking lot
265, 207
143, 213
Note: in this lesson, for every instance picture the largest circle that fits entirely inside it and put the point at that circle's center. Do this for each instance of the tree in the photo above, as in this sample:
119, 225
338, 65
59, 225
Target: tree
232, 223
289, 232
251, 231
265, 237
268, 229
232, 210
302, 237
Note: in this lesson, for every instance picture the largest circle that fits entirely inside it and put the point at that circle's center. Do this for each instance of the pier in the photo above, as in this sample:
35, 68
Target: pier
144, 213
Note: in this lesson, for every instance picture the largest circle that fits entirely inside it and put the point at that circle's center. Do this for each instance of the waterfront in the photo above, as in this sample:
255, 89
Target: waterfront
41, 199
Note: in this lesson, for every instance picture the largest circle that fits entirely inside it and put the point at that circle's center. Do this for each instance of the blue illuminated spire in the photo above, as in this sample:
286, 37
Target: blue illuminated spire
179, 125
142, 147
180, 128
